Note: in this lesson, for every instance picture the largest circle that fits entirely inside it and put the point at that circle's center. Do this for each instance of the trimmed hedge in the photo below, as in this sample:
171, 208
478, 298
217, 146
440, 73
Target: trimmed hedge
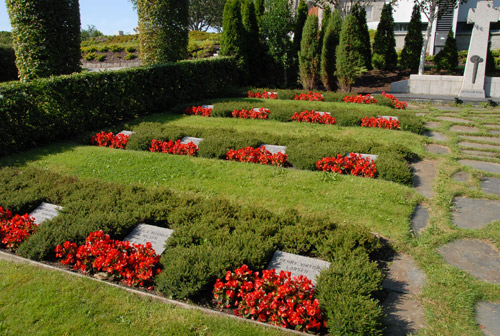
59, 107
8, 69
210, 237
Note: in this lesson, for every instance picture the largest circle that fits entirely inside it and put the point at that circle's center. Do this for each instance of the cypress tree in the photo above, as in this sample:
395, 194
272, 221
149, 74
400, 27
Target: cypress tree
384, 48
46, 37
447, 58
350, 63
330, 43
309, 53
232, 30
366, 49
324, 22
253, 50
259, 11
410, 55
299, 25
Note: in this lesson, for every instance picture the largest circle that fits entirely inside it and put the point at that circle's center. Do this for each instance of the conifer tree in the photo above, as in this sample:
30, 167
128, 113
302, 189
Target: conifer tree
299, 24
259, 11
366, 50
252, 48
309, 55
350, 63
232, 30
324, 22
384, 47
410, 55
330, 43
447, 58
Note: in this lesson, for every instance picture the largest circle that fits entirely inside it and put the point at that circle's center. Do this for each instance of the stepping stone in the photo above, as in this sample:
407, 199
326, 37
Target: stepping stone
480, 153
420, 114
482, 138
475, 257
187, 140
447, 108
453, 119
464, 129
473, 213
495, 132
488, 318
423, 177
491, 185
274, 149
419, 219
477, 145
432, 124
492, 126
461, 176
404, 276
481, 165
436, 136
437, 149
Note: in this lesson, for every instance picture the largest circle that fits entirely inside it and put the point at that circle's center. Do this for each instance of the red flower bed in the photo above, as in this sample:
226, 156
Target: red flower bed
314, 117
380, 123
198, 110
312, 96
134, 264
256, 155
360, 99
175, 148
263, 95
352, 164
110, 140
400, 105
15, 229
261, 113
277, 299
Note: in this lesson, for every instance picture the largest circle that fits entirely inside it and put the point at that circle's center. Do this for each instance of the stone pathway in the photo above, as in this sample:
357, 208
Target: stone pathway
437, 149
471, 213
453, 119
424, 173
490, 185
419, 219
488, 317
482, 138
464, 129
461, 176
484, 154
477, 145
436, 136
489, 167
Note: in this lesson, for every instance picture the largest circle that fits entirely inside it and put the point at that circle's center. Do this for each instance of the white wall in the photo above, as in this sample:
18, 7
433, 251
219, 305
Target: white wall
464, 8
403, 9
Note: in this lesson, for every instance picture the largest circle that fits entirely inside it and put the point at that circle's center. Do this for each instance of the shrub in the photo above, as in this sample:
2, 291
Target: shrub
447, 58
116, 48
104, 49
14, 230
7, 64
352, 164
309, 55
384, 47
130, 49
364, 36
330, 43
410, 55
130, 56
233, 31
101, 58
300, 21
90, 56
104, 139
350, 62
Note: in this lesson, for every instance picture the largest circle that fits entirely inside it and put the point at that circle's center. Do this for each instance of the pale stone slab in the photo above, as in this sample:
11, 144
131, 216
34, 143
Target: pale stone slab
275, 149
129, 133
187, 140
492, 126
257, 109
436, 136
404, 276
491, 185
437, 149
480, 153
372, 157
477, 145
481, 165
472, 213
461, 176
144, 233
297, 265
453, 119
488, 318
323, 113
423, 176
421, 114
45, 211
432, 124
419, 219
495, 132
404, 314
482, 138
464, 129
207, 106
388, 117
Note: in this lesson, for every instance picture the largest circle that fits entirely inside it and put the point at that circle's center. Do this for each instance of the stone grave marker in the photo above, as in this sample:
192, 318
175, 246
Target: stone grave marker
365, 156
129, 133
207, 106
257, 109
297, 265
474, 74
388, 117
272, 92
323, 113
144, 233
274, 149
187, 140
45, 211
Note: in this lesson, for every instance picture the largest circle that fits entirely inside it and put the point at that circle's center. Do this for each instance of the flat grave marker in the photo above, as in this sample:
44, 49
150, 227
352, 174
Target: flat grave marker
323, 113
45, 211
297, 265
207, 106
187, 140
129, 133
275, 149
372, 157
144, 233
257, 109
388, 117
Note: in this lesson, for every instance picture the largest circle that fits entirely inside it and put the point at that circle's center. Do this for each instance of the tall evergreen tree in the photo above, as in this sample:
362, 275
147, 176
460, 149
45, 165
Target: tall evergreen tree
232, 40
350, 63
330, 43
259, 11
366, 50
447, 58
324, 22
299, 24
309, 55
384, 47
253, 49
410, 55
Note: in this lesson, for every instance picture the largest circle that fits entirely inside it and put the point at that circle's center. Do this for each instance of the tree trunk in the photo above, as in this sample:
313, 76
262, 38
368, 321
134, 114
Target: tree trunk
432, 16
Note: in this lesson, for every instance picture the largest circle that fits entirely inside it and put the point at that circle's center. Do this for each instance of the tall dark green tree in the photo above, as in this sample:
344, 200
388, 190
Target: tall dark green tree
324, 22
447, 58
259, 11
330, 43
350, 63
233, 33
46, 37
299, 24
309, 56
252, 48
410, 55
384, 47
366, 50
163, 30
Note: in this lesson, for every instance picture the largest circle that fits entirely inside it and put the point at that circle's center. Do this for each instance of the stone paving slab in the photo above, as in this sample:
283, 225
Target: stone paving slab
421, 114
404, 276
489, 167
464, 129
477, 145
453, 119
436, 136
492, 125
437, 149
423, 176
404, 314
419, 219
491, 185
473, 213
482, 138
480, 153
495, 132
488, 318
475, 257
432, 124
461, 176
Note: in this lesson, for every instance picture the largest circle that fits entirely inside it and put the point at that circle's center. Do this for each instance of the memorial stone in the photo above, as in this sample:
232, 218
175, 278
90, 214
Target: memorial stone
297, 265
155, 235
323, 113
45, 211
207, 106
372, 157
274, 149
187, 140
129, 133
388, 117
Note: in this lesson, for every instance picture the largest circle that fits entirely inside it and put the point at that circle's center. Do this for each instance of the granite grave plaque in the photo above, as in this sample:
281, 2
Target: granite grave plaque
297, 265
45, 211
187, 140
208, 106
155, 235
323, 113
388, 117
129, 133
274, 149
365, 156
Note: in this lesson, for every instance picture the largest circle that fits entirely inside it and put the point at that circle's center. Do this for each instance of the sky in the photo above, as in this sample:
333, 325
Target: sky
107, 15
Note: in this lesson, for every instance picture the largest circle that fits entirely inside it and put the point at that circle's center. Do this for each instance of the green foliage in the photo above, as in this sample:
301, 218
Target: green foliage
232, 31
385, 43
101, 58
8, 69
46, 37
253, 49
299, 24
410, 55
349, 62
366, 50
447, 58
90, 56
104, 49
90, 32
130, 49
65, 106
5, 39
330, 43
324, 22
309, 56
259, 11
116, 48
163, 30
490, 61
205, 14
130, 56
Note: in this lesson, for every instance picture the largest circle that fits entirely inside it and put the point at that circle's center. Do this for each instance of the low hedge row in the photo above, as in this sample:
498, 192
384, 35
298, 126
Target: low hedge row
303, 152
59, 107
210, 237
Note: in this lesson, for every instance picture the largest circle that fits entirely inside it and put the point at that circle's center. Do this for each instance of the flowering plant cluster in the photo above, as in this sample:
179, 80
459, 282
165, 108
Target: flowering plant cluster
110, 140
314, 117
261, 113
399, 105
273, 298
380, 122
353, 164
15, 229
264, 95
312, 96
198, 110
360, 99
175, 148
256, 155
134, 264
